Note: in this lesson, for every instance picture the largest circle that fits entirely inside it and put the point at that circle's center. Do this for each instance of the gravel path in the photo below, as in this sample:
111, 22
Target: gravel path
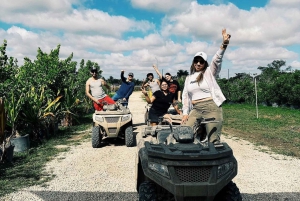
108, 173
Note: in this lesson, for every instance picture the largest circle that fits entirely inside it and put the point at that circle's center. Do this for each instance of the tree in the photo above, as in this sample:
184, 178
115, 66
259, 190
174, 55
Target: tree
274, 66
182, 73
8, 70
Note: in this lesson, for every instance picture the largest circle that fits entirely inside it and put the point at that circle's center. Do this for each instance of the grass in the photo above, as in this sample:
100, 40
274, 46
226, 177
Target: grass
27, 168
276, 128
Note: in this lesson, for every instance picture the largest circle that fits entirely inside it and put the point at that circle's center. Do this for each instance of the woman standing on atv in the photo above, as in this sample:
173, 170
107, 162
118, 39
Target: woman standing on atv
202, 96
152, 83
161, 101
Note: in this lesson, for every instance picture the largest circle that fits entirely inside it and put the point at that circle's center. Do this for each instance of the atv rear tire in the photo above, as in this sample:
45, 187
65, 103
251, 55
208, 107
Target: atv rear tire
147, 191
96, 137
229, 193
129, 137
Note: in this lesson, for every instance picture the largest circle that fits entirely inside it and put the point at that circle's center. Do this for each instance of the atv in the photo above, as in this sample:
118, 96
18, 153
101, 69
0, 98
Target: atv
177, 164
115, 121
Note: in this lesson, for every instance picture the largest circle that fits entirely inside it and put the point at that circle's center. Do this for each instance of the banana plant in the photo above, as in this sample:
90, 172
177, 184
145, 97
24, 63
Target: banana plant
12, 108
51, 112
38, 111
69, 105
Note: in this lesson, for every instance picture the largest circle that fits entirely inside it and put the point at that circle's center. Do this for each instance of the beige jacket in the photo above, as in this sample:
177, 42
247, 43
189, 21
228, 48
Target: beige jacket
210, 77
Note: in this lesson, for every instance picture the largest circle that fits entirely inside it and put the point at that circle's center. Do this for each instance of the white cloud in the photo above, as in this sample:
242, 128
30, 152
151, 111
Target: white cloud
87, 21
284, 3
33, 6
295, 65
260, 53
164, 6
259, 36
269, 25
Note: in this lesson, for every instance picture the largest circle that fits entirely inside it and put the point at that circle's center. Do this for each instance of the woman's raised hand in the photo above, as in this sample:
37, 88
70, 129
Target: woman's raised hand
226, 37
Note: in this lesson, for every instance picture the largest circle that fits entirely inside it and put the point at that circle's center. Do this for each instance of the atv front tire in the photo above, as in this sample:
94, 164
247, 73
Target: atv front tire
96, 137
229, 193
129, 137
147, 191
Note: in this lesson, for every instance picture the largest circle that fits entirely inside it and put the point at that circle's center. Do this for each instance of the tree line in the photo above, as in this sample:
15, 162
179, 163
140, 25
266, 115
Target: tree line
274, 85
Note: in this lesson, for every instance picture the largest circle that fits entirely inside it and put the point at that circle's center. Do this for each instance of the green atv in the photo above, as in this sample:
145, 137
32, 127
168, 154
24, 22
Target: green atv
177, 165
115, 121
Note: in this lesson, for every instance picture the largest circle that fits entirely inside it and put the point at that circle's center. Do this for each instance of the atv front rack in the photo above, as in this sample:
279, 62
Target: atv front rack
188, 151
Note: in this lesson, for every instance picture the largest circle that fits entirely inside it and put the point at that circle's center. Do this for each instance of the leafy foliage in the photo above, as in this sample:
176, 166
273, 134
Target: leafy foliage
273, 86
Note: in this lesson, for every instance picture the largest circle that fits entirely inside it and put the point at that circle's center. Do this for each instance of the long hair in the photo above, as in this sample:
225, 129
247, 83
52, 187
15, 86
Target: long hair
200, 76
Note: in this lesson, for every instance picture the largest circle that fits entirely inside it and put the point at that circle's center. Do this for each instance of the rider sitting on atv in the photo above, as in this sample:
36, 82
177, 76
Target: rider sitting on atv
152, 83
97, 95
161, 101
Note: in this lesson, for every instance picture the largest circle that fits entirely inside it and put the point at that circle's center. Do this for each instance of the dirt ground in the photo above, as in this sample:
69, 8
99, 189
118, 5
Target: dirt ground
108, 173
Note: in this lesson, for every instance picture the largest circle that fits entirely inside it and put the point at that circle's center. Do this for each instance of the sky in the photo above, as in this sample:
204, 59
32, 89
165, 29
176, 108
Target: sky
132, 35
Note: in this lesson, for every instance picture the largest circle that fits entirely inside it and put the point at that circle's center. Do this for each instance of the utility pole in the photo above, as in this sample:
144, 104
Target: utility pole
255, 88
228, 75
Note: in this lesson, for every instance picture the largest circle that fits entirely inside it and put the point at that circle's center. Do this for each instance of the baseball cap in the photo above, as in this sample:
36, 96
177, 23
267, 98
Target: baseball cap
94, 69
201, 54
130, 74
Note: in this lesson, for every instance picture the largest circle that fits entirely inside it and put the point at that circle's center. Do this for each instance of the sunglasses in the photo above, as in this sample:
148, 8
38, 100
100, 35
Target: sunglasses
94, 72
196, 60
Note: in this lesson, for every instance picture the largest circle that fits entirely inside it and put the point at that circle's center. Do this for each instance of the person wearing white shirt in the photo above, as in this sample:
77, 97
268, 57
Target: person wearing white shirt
202, 96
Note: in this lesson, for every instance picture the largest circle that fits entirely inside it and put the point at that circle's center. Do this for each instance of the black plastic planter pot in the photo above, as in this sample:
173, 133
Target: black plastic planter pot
21, 143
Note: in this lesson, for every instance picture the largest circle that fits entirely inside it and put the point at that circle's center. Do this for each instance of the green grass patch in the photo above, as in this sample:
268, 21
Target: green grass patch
27, 168
277, 128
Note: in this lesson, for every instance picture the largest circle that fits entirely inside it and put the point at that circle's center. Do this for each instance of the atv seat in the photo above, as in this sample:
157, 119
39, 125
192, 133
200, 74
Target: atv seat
110, 107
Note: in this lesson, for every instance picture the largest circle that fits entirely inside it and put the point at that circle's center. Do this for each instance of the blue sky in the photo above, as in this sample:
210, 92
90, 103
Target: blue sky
131, 35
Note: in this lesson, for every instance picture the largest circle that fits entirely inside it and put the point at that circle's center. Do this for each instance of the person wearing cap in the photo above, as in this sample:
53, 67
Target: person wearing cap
202, 96
97, 95
125, 89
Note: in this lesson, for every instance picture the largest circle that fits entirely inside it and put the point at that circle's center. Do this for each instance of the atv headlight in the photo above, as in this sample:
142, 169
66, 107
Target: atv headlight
99, 118
224, 168
126, 117
159, 168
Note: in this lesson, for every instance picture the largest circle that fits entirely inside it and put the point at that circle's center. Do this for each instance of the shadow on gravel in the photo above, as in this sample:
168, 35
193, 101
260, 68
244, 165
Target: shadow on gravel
112, 142
85, 196
133, 196
140, 124
271, 197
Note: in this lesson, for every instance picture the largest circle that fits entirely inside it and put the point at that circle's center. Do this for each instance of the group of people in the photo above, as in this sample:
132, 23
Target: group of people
201, 96
95, 91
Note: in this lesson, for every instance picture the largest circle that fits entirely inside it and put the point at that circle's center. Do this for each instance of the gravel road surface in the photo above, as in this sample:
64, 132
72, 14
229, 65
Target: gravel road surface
108, 173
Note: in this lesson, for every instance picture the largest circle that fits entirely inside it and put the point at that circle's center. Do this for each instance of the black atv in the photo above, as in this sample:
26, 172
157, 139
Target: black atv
177, 165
